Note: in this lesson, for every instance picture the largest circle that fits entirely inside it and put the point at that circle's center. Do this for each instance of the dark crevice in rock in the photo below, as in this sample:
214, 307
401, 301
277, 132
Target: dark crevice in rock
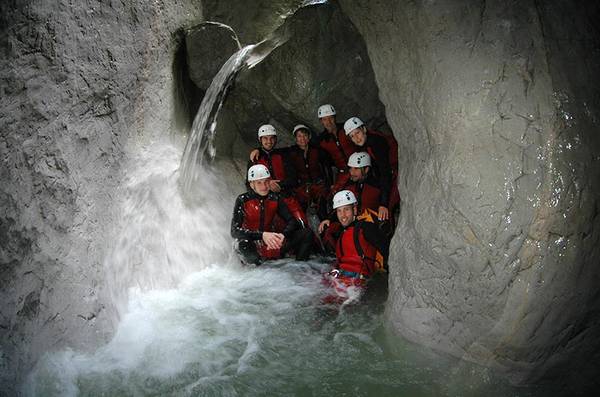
187, 96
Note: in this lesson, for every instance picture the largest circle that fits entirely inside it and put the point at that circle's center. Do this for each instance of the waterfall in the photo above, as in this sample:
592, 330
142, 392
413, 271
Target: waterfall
202, 133
160, 239
203, 130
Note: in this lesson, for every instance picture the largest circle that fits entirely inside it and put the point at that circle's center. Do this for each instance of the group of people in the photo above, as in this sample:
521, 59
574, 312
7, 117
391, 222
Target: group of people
346, 176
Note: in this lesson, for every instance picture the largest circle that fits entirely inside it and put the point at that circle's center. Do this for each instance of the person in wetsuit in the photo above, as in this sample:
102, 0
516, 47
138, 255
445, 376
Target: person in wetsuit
368, 194
359, 248
252, 223
383, 151
336, 144
283, 174
309, 163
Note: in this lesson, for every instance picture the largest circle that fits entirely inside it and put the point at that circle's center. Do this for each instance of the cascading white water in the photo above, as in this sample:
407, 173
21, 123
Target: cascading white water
161, 239
204, 127
198, 323
164, 235
203, 130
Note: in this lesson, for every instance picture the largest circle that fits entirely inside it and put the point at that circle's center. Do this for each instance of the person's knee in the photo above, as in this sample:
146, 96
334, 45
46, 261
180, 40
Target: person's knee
247, 252
306, 233
304, 244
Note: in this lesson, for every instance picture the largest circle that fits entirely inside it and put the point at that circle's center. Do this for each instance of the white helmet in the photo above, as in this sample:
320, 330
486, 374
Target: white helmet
326, 110
351, 124
258, 171
266, 130
300, 127
342, 198
359, 160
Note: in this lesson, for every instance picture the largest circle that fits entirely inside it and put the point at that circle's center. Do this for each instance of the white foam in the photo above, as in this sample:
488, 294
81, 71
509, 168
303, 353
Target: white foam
214, 321
161, 238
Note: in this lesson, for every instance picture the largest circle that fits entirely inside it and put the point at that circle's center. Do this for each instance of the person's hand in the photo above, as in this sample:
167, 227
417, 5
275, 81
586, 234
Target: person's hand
273, 240
383, 214
323, 225
254, 155
274, 185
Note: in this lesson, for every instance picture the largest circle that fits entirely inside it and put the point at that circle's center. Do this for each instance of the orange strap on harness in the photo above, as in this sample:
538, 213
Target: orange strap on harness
368, 215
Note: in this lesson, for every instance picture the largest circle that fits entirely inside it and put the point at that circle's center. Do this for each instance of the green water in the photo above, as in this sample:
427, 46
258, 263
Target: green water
232, 331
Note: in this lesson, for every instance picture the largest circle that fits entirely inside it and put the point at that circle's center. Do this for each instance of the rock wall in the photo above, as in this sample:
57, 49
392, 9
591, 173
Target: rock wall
496, 112
82, 83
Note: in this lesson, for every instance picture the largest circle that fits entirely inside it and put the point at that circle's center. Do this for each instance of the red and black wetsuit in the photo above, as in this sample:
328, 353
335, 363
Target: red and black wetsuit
368, 195
309, 166
338, 148
254, 214
377, 147
392, 144
356, 249
280, 168
367, 192
311, 175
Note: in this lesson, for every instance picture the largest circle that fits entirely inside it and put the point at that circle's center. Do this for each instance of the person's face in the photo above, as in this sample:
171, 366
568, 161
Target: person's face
328, 122
302, 139
358, 174
261, 186
358, 136
268, 142
346, 214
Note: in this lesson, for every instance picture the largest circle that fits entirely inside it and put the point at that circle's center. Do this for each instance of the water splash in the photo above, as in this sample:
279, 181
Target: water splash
160, 239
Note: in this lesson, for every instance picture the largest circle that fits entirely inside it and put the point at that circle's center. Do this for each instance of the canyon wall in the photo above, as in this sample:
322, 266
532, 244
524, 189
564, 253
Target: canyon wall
83, 84
496, 111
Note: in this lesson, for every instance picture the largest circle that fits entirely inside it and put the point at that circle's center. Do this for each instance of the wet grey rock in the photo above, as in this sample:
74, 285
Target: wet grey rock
81, 84
208, 46
254, 22
496, 111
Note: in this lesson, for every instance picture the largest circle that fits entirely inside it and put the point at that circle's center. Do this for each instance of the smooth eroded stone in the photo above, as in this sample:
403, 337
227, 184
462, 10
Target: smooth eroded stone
208, 46
495, 107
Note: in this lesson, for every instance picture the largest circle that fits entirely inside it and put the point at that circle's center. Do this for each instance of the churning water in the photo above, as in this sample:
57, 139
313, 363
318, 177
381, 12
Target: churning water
226, 330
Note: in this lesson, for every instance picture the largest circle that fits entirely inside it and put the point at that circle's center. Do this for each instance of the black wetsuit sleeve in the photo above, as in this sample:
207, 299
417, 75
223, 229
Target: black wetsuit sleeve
375, 236
291, 224
333, 216
325, 165
250, 162
237, 231
291, 178
375, 183
384, 171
